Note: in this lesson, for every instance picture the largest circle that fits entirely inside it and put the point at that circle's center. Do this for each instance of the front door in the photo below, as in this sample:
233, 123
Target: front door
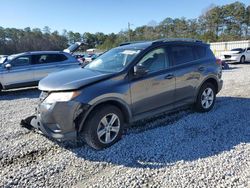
19, 74
156, 88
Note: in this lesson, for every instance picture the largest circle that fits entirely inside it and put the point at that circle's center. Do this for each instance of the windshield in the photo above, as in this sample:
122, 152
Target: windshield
114, 60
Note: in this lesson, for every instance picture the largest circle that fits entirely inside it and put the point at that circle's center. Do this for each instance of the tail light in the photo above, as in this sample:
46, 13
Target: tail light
218, 62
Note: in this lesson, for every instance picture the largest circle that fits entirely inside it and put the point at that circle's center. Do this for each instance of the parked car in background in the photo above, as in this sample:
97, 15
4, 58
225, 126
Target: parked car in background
126, 84
27, 69
240, 55
86, 57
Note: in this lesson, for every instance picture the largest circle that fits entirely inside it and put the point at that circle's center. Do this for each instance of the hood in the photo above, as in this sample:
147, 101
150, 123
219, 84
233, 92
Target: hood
230, 52
71, 79
72, 48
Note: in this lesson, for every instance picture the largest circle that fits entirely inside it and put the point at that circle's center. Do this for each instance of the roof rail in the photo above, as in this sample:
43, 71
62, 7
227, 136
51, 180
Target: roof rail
176, 39
131, 42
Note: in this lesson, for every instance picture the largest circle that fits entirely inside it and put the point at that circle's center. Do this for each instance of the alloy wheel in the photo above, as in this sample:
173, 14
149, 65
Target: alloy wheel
207, 98
108, 128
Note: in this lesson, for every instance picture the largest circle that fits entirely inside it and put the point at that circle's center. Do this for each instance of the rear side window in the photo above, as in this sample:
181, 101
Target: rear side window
48, 58
200, 52
182, 54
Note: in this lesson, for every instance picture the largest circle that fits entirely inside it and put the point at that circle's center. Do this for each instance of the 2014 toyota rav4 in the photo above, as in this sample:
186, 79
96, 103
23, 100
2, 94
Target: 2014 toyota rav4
125, 84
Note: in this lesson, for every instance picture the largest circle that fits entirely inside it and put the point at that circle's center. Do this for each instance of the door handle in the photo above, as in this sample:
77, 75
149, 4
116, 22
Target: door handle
169, 76
201, 68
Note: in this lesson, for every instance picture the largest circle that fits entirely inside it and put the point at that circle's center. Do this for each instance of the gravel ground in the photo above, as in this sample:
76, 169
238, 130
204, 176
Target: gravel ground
183, 149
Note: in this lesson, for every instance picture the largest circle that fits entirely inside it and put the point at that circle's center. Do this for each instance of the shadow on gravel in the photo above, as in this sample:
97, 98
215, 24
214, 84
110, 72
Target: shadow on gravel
19, 94
190, 137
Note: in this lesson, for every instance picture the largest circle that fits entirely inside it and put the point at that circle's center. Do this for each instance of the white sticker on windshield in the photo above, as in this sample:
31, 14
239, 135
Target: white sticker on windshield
130, 52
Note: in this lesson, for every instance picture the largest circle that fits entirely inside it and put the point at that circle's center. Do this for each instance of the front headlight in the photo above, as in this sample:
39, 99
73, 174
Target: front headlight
61, 96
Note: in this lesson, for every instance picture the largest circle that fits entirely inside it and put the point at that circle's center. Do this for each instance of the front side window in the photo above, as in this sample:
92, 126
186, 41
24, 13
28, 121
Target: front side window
114, 60
182, 54
155, 60
21, 61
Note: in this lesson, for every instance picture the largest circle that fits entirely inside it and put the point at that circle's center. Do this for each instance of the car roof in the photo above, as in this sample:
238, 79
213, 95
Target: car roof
144, 44
39, 53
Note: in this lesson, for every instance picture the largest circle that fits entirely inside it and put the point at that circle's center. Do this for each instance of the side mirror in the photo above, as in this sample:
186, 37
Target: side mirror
8, 66
140, 70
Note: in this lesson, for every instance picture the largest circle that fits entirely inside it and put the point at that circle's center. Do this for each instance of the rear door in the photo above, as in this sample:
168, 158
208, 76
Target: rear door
66, 61
189, 63
43, 64
155, 89
20, 72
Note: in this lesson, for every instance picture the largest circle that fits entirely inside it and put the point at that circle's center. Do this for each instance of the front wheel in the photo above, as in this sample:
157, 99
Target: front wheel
242, 59
104, 127
206, 98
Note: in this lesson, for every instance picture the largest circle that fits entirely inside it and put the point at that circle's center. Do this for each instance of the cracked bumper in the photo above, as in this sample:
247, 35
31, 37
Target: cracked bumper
59, 120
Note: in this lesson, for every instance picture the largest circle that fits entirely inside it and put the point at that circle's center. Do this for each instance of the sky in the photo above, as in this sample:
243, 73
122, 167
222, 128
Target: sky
93, 16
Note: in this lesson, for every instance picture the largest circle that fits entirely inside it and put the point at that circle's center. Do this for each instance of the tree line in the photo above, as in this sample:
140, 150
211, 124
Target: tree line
217, 23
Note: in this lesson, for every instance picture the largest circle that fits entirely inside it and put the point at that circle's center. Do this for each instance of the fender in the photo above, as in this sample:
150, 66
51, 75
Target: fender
121, 104
204, 80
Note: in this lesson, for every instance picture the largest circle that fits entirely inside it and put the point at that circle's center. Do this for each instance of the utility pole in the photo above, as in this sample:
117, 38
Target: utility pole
129, 37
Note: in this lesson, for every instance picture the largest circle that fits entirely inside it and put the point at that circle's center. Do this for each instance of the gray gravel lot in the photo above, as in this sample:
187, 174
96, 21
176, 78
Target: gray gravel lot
183, 149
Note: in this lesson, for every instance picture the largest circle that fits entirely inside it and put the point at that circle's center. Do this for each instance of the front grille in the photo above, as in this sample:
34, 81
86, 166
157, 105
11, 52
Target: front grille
43, 96
227, 56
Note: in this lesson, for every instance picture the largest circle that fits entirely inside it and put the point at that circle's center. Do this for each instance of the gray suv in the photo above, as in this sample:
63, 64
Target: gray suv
27, 69
126, 84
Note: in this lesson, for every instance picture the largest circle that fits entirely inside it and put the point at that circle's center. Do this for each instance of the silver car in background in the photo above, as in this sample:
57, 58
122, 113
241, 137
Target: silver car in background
27, 69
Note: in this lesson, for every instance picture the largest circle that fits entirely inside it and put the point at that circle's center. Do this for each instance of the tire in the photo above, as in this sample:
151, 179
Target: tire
96, 123
242, 59
206, 98
225, 66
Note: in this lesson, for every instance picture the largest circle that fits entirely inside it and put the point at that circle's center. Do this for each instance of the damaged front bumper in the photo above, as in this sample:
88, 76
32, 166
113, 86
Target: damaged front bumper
59, 120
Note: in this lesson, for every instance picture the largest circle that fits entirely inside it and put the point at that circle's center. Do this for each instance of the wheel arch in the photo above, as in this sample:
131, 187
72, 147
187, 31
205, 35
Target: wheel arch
111, 101
211, 80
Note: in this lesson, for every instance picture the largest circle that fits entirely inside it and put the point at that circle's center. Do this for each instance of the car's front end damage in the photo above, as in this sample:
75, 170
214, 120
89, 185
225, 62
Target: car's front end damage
58, 115
61, 108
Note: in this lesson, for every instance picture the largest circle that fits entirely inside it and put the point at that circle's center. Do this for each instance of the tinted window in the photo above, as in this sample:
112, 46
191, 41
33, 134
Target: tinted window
21, 61
199, 51
154, 60
182, 54
48, 58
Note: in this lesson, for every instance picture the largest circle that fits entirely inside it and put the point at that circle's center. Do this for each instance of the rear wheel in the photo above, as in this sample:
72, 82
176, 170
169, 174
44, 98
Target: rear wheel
104, 127
242, 59
206, 98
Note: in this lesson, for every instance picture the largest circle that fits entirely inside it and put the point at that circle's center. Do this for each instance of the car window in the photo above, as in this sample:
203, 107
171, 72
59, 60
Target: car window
48, 58
182, 54
199, 51
21, 61
154, 60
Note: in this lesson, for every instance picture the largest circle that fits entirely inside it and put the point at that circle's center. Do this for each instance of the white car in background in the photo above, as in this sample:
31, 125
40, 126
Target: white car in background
240, 55
3, 58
